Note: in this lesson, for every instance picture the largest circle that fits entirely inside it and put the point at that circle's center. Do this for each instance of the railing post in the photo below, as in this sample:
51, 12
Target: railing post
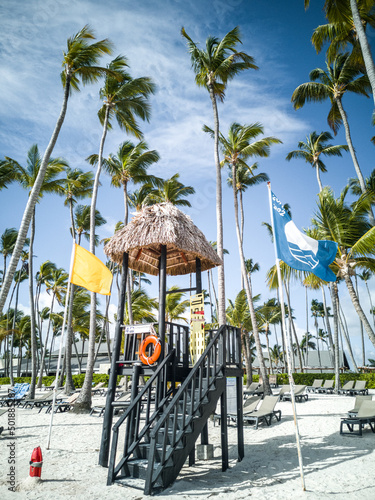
108, 413
135, 383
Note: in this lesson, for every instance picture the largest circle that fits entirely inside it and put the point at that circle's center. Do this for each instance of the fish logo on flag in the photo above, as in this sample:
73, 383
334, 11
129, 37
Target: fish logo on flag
298, 250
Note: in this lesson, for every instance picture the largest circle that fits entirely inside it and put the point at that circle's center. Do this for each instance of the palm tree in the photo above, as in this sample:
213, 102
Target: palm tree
81, 225
175, 307
77, 185
332, 84
268, 314
141, 197
143, 308
213, 68
314, 147
172, 191
79, 63
341, 29
56, 286
348, 21
125, 99
28, 177
129, 165
238, 314
7, 243
335, 220
237, 148
365, 275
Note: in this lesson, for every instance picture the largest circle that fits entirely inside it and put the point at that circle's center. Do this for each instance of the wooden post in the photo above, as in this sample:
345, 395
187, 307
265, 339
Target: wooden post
108, 413
162, 294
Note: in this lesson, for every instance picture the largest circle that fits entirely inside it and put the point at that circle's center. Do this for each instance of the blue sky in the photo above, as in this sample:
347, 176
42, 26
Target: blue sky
277, 34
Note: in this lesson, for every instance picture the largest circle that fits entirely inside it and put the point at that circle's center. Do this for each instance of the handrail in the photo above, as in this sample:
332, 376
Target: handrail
133, 435
192, 384
186, 383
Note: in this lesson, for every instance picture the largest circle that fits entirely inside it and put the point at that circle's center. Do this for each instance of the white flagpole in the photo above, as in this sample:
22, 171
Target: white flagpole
287, 343
61, 344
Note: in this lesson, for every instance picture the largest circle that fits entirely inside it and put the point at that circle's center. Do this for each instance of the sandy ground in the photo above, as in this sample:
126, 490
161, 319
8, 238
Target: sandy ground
335, 467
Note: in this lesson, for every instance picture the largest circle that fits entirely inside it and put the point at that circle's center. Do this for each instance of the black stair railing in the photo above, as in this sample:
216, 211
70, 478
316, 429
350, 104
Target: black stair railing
143, 403
184, 407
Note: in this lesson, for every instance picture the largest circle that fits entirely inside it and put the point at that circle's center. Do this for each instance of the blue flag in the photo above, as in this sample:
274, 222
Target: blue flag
298, 250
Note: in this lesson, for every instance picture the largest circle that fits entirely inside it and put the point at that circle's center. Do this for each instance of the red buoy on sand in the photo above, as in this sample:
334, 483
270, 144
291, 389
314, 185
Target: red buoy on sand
36, 463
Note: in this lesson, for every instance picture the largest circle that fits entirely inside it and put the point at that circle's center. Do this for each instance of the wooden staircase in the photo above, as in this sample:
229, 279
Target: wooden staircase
162, 426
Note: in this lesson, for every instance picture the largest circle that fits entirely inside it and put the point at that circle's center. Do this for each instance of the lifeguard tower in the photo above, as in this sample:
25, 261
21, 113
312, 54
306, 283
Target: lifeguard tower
170, 411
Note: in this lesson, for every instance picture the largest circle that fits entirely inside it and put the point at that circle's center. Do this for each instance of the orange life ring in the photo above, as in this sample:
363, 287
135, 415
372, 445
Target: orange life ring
155, 341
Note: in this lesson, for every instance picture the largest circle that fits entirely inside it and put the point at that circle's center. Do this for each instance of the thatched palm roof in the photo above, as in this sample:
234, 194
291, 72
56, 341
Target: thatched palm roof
156, 225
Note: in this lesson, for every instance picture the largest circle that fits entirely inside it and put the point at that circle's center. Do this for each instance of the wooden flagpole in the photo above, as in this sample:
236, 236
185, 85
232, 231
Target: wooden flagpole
287, 343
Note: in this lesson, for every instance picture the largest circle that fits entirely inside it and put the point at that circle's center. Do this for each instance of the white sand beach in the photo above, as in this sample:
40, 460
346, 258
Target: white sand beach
334, 466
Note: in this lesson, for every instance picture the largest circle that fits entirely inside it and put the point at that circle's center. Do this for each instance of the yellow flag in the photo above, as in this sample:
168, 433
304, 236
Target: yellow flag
90, 272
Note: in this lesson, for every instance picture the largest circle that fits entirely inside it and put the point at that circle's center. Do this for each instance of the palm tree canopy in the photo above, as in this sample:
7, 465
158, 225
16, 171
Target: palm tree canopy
26, 176
130, 164
349, 226
314, 147
332, 84
81, 59
340, 29
77, 185
82, 221
125, 98
219, 62
173, 191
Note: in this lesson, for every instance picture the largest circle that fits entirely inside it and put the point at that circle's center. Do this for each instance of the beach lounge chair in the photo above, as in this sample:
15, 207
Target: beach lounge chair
15, 399
359, 388
357, 404
365, 415
265, 412
42, 401
285, 388
273, 380
327, 387
63, 405
316, 385
98, 389
299, 394
122, 402
249, 391
346, 388
250, 405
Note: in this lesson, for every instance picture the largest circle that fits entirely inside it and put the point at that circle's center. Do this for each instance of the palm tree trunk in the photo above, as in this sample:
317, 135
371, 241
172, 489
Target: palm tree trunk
358, 308
13, 330
318, 178
219, 213
291, 326
247, 360
365, 47
361, 326
40, 381
129, 286
214, 290
83, 404
344, 329
262, 366
242, 218
69, 383
307, 329
34, 195
269, 352
353, 155
369, 296
32, 310
334, 299
328, 327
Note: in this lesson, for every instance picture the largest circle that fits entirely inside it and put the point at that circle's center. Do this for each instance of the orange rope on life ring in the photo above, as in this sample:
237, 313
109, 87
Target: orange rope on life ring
150, 360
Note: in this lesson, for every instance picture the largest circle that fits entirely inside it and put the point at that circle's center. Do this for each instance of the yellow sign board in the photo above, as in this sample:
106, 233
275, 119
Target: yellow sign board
197, 337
